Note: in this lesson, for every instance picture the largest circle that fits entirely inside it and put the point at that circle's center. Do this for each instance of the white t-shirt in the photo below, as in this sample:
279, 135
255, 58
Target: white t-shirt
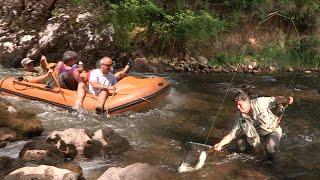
103, 79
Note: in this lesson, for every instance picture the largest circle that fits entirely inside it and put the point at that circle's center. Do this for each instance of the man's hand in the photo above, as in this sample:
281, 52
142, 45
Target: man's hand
110, 88
49, 72
113, 89
217, 147
43, 58
43, 62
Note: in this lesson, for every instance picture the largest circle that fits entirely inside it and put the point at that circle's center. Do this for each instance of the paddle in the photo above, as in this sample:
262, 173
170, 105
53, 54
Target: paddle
44, 60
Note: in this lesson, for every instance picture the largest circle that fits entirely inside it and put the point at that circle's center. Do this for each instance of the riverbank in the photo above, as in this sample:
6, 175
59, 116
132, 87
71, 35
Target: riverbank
201, 64
225, 34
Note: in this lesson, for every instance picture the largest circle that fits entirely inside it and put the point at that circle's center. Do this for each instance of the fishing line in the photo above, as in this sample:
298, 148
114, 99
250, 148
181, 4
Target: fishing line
185, 166
282, 108
220, 107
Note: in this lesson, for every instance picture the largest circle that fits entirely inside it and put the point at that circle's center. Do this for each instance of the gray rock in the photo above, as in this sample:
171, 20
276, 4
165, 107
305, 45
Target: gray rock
8, 165
42, 172
40, 152
70, 138
29, 28
112, 142
8, 135
203, 61
84, 143
137, 171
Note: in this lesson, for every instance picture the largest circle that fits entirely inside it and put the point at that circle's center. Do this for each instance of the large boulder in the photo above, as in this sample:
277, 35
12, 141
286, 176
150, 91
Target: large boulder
23, 122
86, 143
137, 171
8, 135
20, 22
29, 28
154, 65
112, 142
69, 138
203, 61
42, 172
42, 153
8, 165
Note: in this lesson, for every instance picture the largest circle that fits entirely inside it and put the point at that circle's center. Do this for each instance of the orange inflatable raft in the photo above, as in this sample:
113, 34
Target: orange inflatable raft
132, 94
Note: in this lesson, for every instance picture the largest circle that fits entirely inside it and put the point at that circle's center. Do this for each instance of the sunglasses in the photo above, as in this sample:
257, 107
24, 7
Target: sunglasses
108, 65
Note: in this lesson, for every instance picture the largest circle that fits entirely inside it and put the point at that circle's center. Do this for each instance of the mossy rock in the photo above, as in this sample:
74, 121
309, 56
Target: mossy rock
24, 122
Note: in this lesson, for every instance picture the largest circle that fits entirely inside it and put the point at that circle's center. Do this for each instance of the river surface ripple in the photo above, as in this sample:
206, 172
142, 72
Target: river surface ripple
158, 135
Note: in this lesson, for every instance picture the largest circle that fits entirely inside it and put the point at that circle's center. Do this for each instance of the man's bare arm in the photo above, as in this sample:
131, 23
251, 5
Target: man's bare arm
282, 99
96, 85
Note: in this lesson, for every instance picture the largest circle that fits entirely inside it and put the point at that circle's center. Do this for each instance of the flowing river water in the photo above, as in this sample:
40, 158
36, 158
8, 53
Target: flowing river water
157, 136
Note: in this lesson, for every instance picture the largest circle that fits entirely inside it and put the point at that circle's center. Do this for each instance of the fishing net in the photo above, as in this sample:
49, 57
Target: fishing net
194, 156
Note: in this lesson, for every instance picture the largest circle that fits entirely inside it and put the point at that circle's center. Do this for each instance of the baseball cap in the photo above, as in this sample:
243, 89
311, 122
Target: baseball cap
25, 61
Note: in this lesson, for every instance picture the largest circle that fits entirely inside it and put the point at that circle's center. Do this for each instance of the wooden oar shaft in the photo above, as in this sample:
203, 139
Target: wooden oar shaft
55, 79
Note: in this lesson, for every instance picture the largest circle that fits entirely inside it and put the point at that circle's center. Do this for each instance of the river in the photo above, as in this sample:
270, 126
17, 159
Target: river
157, 136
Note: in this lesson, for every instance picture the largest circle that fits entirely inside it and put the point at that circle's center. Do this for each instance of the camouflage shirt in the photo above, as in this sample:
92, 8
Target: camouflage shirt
27, 75
262, 117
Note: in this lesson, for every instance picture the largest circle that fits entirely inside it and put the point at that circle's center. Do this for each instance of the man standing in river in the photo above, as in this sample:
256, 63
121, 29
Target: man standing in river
256, 121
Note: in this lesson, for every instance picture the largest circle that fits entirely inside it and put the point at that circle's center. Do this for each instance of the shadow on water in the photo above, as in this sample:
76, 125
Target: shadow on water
157, 136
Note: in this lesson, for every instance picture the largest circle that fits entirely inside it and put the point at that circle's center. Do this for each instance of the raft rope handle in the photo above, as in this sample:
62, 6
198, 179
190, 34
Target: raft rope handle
145, 99
3, 81
13, 84
107, 108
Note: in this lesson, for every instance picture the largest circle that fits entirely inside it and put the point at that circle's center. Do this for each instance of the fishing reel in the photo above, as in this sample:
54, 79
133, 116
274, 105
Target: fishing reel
281, 108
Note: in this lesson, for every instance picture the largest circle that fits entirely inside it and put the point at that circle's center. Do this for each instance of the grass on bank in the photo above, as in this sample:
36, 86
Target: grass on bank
296, 53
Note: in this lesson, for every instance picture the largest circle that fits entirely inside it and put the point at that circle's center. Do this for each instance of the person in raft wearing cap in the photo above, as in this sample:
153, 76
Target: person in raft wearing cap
33, 74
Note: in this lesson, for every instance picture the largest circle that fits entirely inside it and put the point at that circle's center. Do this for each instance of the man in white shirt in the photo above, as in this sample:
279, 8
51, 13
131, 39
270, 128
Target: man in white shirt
102, 81
255, 121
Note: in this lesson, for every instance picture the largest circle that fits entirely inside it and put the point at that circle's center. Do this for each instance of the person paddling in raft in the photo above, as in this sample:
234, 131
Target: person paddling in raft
68, 76
102, 81
256, 123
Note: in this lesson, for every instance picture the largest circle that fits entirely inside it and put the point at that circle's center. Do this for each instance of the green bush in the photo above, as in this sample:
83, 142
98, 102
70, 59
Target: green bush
176, 31
304, 12
185, 29
296, 53
76, 2
181, 27
127, 14
222, 59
